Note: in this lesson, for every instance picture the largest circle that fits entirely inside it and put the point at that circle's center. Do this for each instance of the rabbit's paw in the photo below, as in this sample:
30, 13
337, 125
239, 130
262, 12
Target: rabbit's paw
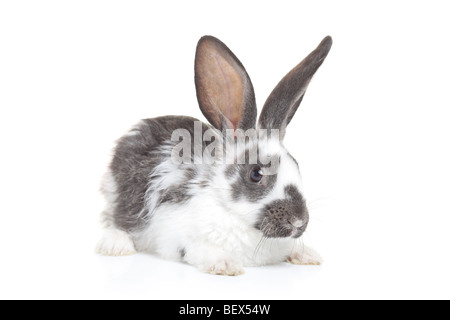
115, 243
224, 267
305, 256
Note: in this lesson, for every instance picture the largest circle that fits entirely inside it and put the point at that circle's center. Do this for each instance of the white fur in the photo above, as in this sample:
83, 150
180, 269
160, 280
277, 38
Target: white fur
109, 188
109, 191
115, 243
288, 173
202, 226
168, 174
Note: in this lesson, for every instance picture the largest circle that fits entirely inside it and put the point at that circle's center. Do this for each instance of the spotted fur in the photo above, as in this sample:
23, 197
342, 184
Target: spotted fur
213, 216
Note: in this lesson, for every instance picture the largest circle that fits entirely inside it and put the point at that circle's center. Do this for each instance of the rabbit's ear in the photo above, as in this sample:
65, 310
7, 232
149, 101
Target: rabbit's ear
224, 90
284, 100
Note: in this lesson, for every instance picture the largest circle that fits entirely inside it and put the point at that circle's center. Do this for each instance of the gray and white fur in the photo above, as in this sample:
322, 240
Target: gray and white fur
219, 217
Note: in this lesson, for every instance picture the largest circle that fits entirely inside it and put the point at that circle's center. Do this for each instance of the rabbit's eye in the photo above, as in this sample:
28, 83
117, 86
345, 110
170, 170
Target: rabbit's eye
256, 174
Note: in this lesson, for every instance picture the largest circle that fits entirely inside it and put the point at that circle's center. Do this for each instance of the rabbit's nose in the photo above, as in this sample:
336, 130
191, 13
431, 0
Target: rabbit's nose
297, 223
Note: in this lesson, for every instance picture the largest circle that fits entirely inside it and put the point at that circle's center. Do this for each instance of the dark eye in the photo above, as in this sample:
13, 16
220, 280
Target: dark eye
256, 174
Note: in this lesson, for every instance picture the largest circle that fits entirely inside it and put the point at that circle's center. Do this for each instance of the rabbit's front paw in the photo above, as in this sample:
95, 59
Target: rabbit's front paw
115, 243
305, 256
224, 267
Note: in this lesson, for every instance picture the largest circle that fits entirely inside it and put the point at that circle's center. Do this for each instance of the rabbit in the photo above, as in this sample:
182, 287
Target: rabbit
219, 216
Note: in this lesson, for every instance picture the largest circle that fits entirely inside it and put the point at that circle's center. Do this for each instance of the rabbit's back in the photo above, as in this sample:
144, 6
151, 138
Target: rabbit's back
135, 158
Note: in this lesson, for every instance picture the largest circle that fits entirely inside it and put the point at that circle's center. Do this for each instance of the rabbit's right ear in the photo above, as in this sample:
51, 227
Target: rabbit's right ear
224, 90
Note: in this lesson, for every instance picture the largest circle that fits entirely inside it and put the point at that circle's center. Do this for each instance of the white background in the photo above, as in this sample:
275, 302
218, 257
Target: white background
371, 137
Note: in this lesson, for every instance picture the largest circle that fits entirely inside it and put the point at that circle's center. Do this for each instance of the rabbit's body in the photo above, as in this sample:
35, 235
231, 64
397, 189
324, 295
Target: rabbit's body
206, 211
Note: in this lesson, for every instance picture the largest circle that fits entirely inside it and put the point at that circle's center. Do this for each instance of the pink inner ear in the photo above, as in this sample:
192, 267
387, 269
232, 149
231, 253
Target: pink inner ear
221, 85
231, 99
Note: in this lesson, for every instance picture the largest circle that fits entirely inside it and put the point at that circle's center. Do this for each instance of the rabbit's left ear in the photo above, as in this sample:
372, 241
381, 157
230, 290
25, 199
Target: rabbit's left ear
285, 99
224, 90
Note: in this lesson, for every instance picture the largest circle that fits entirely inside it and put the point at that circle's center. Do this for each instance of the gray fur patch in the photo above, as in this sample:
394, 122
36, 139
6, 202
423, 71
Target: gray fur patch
135, 157
182, 253
180, 193
278, 217
176, 194
230, 171
203, 184
190, 172
285, 99
243, 186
